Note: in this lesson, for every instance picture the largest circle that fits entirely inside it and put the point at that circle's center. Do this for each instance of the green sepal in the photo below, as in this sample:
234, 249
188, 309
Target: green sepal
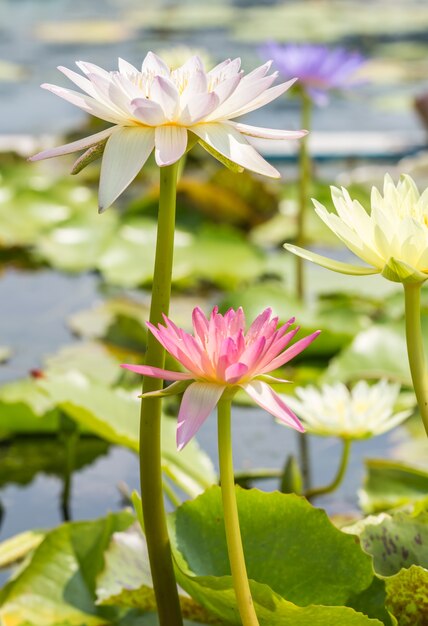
172, 390
331, 264
92, 154
231, 165
192, 140
401, 272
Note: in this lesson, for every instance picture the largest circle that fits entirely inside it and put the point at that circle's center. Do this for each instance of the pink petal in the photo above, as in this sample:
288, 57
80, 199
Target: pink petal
231, 144
126, 151
269, 400
198, 401
156, 372
200, 324
165, 93
268, 133
170, 144
74, 146
148, 111
235, 372
289, 354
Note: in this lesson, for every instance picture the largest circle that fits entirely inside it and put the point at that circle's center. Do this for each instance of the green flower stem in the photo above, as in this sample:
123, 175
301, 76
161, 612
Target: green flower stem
155, 528
304, 189
305, 459
231, 520
415, 347
319, 491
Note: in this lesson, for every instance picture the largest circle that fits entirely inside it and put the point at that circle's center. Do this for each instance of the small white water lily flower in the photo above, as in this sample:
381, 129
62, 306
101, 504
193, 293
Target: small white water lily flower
155, 107
176, 56
334, 410
392, 238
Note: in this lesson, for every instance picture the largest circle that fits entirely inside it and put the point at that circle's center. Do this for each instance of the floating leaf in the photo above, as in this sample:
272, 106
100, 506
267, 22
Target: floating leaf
16, 548
390, 484
279, 532
113, 414
407, 596
57, 585
397, 541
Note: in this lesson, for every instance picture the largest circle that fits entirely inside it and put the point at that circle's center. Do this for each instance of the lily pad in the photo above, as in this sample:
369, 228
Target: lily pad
57, 585
390, 484
407, 596
26, 409
113, 414
397, 541
16, 548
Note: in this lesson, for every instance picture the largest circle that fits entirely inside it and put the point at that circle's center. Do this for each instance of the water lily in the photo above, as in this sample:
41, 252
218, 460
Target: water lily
334, 410
155, 107
392, 238
320, 69
221, 355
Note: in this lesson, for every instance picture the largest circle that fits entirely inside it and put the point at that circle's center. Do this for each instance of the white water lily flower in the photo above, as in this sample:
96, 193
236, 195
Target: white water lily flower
155, 107
392, 238
334, 410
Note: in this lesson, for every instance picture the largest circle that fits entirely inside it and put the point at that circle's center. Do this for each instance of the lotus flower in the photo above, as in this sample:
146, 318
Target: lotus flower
155, 107
336, 411
220, 355
319, 69
392, 239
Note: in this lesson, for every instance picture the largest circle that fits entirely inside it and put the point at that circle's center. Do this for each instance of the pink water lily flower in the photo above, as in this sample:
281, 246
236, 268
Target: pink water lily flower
154, 108
221, 355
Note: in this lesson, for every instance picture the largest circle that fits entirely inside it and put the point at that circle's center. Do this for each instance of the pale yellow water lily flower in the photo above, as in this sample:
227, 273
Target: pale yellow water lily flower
155, 107
362, 412
392, 238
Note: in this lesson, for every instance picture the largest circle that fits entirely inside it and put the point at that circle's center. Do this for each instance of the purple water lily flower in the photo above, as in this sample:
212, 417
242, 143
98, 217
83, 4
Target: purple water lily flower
318, 68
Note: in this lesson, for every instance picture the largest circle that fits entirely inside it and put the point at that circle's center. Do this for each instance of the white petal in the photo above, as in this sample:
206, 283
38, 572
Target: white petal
270, 401
264, 98
125, 154
226, 140
74, 146
86, 103
268, 133
148, 111
198, 401
165, 93
126, 68
78, 80
226, 87
244, 94
199, 107
170, 144
154, 64
91, 68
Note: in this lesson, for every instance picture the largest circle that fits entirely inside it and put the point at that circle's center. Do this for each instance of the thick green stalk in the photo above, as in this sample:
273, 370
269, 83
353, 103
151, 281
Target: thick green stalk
319, 491
231, 520
155, 528
415, 347
304, 190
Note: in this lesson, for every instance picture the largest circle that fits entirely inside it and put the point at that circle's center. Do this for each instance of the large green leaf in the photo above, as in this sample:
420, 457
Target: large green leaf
391, 484
296, 559
407, 596
25, 408
58, 584
126, 581
113, 414
397, 541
